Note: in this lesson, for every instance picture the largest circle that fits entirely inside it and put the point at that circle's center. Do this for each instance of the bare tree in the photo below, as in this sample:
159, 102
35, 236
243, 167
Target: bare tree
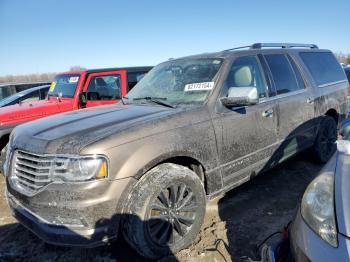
343, 58
27, 78
77, 68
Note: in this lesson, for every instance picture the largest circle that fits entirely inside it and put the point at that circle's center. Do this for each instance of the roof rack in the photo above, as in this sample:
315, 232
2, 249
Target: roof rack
281, 45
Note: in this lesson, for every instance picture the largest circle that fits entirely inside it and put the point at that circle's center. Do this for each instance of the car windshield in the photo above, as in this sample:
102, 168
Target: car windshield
64, 86
183, 81
10, 99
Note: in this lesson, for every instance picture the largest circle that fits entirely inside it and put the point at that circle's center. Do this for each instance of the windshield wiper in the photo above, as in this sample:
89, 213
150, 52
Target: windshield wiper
156, 100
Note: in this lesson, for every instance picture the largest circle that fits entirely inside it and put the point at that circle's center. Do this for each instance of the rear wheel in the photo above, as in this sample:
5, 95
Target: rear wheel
166, 210
324, 145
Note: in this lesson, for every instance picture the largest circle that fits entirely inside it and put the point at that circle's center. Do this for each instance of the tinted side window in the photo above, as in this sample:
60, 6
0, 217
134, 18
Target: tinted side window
301, 82
34, 96
323, 67
104, 88
43, 93
282, 73
245, 72
134, 78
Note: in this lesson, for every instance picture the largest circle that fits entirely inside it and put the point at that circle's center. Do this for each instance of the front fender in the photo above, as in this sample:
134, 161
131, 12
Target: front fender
134, 158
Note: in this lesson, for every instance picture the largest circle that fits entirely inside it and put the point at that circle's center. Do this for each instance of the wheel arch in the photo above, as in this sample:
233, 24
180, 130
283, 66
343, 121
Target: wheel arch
179, 159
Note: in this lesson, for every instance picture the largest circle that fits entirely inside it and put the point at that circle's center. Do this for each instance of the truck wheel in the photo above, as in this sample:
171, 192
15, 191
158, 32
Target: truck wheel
165, 210
324, 145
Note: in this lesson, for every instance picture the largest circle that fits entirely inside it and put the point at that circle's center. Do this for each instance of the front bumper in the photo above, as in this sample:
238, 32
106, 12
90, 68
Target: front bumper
306, 245
81, 215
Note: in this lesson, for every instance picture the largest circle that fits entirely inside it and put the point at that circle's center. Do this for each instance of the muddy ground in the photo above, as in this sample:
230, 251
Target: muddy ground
241, 219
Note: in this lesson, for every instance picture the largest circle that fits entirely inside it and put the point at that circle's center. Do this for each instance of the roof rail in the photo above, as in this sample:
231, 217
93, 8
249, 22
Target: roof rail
282, 45
240, 47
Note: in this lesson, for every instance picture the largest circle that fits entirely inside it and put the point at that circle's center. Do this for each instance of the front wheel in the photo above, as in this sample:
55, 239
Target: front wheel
324, 145
166, 209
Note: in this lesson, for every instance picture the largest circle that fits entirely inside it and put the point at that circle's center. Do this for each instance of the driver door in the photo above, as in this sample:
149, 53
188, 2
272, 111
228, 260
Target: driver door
246, 135
105, 88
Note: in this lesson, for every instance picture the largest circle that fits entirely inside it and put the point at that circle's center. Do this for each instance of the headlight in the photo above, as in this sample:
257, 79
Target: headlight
317, 207
75, 169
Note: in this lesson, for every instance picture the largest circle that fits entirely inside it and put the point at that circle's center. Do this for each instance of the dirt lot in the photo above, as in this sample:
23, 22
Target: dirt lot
242, 219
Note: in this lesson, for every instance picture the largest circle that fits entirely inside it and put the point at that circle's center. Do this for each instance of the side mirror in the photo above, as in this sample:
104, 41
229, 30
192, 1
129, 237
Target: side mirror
82, 99
241, 96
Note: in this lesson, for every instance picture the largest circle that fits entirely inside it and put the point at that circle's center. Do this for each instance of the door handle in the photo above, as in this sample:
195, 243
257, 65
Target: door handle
267, 113
310, 100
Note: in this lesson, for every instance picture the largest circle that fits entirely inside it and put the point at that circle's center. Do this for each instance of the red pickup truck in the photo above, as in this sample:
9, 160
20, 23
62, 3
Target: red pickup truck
71, 91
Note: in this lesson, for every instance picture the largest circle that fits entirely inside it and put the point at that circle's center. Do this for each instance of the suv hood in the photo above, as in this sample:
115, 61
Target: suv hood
342, 193
69, 132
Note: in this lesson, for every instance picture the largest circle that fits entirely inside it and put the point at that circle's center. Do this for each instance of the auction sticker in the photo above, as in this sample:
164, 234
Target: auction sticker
73, 79
199, 86
52, 87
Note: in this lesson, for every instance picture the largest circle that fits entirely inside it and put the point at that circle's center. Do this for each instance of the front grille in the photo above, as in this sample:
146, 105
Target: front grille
30, 172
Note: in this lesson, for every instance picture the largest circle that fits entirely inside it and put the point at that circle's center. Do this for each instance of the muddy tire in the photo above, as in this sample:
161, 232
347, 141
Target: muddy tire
324, 145
165, 210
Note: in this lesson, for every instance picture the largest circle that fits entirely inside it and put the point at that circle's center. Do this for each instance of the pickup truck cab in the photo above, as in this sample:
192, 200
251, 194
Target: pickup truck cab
72, 91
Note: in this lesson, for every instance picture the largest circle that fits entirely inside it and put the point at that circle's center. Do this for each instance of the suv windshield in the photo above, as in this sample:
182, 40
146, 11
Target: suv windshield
64, 86
183, 81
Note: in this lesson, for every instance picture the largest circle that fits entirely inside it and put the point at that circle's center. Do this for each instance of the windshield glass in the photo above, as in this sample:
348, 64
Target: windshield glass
64, 86
184, 81
10, 99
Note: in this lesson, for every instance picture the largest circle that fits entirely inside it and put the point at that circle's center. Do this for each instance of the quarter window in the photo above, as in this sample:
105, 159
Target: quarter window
104, 88
323, 67
246, 72
134, 78
283, 74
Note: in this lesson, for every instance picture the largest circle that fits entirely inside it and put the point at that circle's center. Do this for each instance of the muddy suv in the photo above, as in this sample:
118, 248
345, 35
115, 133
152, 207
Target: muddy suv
191, 129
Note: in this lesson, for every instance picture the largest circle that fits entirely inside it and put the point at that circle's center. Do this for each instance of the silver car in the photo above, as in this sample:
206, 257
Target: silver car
321, 229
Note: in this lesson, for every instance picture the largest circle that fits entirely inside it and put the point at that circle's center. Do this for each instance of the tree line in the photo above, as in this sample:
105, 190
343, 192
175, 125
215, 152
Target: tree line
35, 77
342, 58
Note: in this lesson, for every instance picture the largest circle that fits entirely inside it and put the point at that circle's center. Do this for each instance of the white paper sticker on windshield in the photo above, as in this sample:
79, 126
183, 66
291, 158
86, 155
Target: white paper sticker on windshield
199, 86
73, 79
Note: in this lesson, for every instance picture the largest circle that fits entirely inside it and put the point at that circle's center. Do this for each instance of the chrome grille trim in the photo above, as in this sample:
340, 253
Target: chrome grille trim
30, 172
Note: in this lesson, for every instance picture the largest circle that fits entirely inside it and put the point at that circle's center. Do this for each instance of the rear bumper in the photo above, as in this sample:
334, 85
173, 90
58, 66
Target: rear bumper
306, 245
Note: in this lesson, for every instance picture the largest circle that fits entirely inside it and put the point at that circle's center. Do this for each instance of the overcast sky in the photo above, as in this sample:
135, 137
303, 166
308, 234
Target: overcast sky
40, 36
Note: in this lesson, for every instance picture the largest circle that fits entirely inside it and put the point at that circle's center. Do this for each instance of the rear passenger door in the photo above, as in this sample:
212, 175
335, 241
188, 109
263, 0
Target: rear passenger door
295, 106
105, 88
